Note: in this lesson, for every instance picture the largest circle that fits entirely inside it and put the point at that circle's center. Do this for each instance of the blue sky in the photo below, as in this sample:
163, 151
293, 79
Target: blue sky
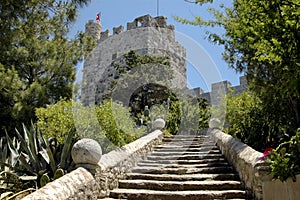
204, 58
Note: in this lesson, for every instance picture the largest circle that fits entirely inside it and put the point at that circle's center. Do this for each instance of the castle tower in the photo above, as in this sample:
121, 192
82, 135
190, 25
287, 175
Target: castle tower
93, 29
146, 36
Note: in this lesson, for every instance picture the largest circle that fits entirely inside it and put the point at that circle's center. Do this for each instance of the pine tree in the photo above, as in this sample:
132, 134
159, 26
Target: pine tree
37, 59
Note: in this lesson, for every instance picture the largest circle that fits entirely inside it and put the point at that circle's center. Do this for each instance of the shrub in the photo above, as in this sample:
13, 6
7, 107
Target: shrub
116, 123
285, 159
108, 123
256, 124
56, 120
187, 115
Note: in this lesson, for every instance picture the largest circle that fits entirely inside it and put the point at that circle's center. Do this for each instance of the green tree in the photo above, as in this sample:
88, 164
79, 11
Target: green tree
109, 123
261, 39
36, 53
255, 124
116, 123
143, 81
187, 115
9, 93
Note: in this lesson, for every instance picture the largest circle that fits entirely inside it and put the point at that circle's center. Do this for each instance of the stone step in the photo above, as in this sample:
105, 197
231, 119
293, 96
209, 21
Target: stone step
187, 136
159, 170
142, 194
211, 164
192, 161
108, 198
199, 140
176, 149
182, 152
185, 157
180, 186
186, 141
184, 177
186, 146
182, 167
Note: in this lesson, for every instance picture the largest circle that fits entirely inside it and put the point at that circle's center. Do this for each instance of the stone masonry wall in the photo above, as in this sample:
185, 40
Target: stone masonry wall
152, 36
116, 164
76, 185
80, 184
219, 90
245, 160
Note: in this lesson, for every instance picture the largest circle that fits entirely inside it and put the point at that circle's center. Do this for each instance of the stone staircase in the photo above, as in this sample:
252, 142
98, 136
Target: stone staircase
182, 167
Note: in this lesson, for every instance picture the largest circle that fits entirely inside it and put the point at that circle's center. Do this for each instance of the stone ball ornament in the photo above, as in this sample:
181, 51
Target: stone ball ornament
159, 124
86, 151
215, 123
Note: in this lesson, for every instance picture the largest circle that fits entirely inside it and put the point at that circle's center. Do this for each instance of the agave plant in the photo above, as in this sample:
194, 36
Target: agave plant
30, 154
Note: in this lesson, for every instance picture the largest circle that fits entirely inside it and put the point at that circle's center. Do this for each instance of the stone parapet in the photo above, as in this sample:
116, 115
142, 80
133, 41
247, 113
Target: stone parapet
78, 184
117, 163
81, 184
245, 160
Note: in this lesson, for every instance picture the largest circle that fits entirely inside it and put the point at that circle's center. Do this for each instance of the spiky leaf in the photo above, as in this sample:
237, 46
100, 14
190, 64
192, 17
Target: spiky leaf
14, 154
44, 180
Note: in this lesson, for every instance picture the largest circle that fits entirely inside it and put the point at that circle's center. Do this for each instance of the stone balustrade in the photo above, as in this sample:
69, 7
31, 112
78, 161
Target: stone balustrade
98, 175
117, 163
245, 160
97, 178
78, 184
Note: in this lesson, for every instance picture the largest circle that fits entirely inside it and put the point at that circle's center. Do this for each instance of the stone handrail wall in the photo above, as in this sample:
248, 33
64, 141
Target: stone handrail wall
78, 184
117, 163
245, 160
81, 184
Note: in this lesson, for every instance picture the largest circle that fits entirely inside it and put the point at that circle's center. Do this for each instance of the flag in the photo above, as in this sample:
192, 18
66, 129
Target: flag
98, 17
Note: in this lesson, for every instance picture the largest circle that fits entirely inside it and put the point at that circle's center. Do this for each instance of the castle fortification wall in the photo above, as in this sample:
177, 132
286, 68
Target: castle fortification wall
147, 36
219, 90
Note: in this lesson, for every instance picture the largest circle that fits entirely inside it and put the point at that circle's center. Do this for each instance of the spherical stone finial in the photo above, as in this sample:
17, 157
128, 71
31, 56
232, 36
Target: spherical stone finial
86, 151
159, 124
215, 123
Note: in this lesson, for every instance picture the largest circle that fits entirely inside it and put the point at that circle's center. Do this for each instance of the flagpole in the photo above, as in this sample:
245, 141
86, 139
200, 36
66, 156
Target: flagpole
157, 6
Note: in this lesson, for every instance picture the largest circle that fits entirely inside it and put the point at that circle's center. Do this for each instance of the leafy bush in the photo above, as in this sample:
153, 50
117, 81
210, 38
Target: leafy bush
256, 124
56, 120
187, 115
108, 123
116, 123
285, 159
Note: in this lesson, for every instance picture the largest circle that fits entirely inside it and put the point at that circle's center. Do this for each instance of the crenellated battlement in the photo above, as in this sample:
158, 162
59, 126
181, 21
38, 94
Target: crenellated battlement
145, 35
94, 29
218, 90
148, 21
